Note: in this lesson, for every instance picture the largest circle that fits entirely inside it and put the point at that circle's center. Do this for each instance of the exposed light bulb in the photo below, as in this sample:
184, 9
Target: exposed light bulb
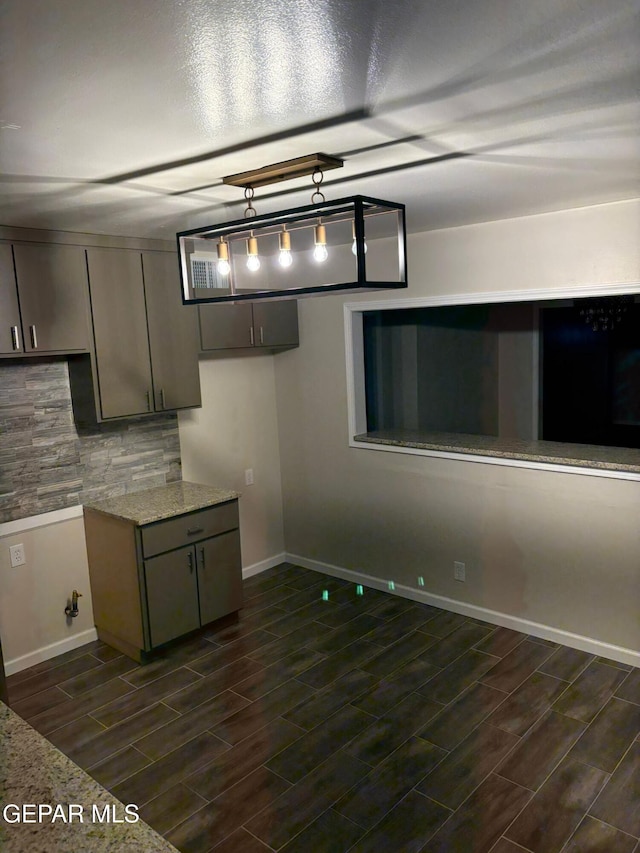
285, 258
224, 267
320, 252
253, 261
354, 245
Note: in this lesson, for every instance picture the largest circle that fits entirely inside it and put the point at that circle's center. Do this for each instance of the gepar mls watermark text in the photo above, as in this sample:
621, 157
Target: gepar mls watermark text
70, 813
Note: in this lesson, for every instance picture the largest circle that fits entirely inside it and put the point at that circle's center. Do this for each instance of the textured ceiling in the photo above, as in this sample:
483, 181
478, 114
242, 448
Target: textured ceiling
122, 116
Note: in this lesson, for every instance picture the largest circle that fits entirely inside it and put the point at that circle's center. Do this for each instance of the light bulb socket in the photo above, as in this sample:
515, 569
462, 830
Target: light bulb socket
320, 235
252, 246
223, 251
285, 241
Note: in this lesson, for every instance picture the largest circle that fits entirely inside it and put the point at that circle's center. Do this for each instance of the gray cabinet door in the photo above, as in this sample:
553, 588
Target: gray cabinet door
10, 331
276, 323
173, 334
226, 326
219, 576
172, 595
52, 285
120, 331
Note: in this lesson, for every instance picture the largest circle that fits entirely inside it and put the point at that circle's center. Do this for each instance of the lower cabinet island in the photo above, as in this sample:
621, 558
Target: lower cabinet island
162, 563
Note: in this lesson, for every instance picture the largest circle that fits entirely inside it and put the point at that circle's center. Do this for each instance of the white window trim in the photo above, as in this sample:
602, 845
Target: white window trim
354, 350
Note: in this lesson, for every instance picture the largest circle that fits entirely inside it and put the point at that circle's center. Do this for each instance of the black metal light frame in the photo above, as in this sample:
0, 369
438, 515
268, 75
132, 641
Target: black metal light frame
353, 208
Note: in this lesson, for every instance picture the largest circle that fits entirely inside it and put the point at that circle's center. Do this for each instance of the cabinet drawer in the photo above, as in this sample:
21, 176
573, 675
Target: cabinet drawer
185, 529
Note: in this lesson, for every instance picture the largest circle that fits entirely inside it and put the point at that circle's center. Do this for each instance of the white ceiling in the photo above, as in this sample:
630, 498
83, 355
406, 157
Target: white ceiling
122, 116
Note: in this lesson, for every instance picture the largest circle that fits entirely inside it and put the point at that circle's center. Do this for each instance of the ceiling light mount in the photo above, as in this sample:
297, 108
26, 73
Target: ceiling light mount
287, 170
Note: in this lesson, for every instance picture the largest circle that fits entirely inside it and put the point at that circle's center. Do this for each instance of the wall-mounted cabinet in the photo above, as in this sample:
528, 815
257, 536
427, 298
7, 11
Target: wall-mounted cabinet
43, 299
145, 341
245, 325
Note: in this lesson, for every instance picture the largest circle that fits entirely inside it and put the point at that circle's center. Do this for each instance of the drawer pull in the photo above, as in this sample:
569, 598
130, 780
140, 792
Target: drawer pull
191, 531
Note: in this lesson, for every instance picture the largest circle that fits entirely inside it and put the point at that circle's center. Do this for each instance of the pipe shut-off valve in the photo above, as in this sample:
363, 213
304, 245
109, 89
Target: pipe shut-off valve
72, 609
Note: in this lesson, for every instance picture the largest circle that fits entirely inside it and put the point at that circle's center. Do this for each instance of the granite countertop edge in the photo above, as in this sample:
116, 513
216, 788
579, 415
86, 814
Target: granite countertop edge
162, 502
33, 771
553, 453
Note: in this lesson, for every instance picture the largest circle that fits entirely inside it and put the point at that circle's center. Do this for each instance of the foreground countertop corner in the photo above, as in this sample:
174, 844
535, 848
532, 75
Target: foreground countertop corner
33, 771
162, 502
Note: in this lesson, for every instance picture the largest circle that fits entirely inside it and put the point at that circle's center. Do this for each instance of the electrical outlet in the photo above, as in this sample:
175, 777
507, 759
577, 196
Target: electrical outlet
459, 571
17, 554
248, 477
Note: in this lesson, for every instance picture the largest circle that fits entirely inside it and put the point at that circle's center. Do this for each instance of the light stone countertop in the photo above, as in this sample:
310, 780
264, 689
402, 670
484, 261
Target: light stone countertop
554, 452
33, 771
162, 502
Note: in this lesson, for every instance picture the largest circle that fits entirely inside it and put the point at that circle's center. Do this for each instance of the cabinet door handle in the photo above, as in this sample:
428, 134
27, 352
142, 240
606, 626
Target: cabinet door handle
148, 396
190, 557
34, 338
162, 403
15, 340
202, 556
191, 531
261, 335
251, 336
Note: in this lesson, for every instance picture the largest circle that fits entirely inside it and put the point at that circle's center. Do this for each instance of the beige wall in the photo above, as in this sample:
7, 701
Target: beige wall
236, 429
554, 548
33, 625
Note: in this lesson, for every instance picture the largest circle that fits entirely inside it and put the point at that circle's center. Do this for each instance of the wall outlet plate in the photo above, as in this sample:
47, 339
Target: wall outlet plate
459, 572
18, 557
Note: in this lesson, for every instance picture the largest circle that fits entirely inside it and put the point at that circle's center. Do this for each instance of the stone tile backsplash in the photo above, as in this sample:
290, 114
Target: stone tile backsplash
48, 463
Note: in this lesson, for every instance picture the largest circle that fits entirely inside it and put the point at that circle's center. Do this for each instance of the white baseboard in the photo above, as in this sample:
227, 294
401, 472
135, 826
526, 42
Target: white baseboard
50, 651
77, 640
504, 620
263, 565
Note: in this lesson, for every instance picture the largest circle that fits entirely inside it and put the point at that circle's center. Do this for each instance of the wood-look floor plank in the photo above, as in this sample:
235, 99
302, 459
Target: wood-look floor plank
115, 738
619, 802
463, 769
526, 705
407, 827
541, 750
383, 788
589, 692
457, 720
171, 808
517, 666
481, 820
609, 736
594, 836
169, 770
555, 811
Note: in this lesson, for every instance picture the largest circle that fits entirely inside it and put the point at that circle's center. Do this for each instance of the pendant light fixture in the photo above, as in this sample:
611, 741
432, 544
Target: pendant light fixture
253, 258
256, 259
224, 267
285, 259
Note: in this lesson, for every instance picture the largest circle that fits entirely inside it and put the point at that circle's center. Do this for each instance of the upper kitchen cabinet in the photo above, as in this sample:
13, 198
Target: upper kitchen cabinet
43, 299
268, 325
173, 334
145, 354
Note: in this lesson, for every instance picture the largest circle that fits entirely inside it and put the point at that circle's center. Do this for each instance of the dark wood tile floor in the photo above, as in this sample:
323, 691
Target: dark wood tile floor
324, 721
